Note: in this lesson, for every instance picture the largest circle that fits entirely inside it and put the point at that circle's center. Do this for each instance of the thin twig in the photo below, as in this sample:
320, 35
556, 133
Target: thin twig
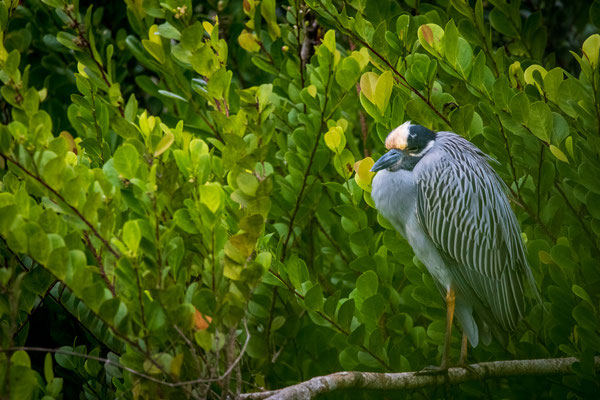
333, 242
98, 258
308, 168
576, 214
107, 361
510, 158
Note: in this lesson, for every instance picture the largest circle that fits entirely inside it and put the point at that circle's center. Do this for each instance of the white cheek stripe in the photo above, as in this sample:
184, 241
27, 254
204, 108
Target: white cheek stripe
425, 150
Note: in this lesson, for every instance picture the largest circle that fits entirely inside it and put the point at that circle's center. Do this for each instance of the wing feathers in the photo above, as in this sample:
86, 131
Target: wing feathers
463, 208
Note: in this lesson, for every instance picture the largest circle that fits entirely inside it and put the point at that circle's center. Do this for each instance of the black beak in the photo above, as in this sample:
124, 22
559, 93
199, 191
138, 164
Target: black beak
387, 160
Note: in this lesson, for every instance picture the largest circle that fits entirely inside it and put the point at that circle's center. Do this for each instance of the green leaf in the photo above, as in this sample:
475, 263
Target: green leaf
313, 299
348, 73
125, 161
451, 42
585, 316
464, 59
346, 313
372, 309
172, 95
132, 236
369, 107
297, 271
155, 50
540, 121
23, 383
184, 221
581, 293
344, 164
367, 284
267, 10
261, 63
191, 36
519, 107
123, 127
437, 331
168, 31
20, 358
502, 23
204, 61
560, 128
67, 40
248, 183
552, 82
349, 359
38, 243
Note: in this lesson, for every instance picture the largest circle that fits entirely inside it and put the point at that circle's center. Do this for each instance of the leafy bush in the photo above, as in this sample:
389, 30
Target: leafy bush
190, 183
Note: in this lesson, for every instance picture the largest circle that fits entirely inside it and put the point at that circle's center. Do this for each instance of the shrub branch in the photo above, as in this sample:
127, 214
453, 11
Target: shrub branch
62, 199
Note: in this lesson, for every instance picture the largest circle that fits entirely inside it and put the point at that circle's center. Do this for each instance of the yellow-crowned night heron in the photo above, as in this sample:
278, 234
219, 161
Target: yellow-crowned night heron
441, 194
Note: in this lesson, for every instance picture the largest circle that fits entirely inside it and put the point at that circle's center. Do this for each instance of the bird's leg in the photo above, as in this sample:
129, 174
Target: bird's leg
443, 368
450, 302
463, 351
462, 361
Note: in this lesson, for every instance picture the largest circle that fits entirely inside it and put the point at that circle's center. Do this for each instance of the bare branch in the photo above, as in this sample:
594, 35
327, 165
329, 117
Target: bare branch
413, 380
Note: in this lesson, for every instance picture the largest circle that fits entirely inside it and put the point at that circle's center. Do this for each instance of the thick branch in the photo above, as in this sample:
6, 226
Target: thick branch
414, 380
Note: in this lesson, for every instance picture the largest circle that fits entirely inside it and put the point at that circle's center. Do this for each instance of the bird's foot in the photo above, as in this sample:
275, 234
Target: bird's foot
433, 370
466, 366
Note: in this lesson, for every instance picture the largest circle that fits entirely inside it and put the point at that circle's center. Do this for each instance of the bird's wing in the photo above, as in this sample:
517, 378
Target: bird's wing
464, 210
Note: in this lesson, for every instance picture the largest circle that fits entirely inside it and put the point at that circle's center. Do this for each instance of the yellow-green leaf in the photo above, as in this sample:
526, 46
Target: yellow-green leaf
248, 41
164, 144
211, 196
383, 90
569, 145
364, 176
208, 27
430, 37
591, 49
368, 83
545, 257
559, 154
153, 35
335, 139
329, 40
528, 75
362, 57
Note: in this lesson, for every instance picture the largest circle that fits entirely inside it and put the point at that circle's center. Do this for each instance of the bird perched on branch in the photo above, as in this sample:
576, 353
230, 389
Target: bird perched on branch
442, 195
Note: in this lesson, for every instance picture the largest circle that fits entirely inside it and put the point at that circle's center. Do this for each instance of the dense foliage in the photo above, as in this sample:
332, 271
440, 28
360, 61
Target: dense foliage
185, 188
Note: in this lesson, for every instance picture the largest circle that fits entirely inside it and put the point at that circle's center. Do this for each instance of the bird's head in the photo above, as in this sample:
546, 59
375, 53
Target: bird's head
407, 144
